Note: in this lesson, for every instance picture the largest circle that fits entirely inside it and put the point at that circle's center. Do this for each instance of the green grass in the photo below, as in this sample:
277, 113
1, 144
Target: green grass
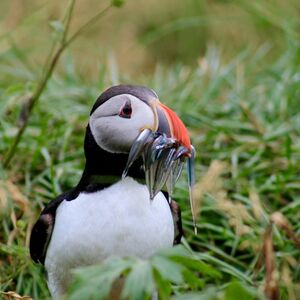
244, 120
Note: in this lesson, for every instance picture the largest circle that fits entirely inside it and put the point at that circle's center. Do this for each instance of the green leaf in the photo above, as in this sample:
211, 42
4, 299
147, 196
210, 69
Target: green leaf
178, 250
200, 266
139, 283
163, 286
170, 270
192, 280
95, 282
208, 294
238, 290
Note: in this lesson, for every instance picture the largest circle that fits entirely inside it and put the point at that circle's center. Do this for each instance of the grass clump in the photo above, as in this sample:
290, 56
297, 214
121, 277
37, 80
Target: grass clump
245, 127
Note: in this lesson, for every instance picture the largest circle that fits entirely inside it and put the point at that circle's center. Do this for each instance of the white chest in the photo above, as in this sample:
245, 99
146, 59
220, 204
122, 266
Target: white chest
118, 221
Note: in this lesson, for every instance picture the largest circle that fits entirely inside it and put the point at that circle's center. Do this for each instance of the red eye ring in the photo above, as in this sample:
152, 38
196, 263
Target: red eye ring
126, 110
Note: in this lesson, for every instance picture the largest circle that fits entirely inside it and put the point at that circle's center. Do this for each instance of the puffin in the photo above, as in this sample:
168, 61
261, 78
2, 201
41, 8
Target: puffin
135, 148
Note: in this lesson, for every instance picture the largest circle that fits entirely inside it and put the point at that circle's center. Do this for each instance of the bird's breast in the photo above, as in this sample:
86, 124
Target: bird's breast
118, 221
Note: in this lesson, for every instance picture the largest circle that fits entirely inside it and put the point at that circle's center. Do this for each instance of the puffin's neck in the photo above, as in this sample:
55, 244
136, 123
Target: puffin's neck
103, 168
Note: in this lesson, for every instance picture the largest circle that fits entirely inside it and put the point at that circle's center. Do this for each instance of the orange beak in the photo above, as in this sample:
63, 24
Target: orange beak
177, 129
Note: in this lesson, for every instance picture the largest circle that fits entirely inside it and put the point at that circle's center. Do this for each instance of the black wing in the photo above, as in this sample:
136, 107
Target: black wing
176, 213
42, 230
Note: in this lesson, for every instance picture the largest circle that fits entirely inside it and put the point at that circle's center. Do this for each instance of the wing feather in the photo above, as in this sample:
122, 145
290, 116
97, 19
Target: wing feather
42, 230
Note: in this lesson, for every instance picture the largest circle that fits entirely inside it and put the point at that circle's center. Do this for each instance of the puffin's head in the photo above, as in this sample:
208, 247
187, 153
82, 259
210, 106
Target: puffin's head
129, 122
122, 112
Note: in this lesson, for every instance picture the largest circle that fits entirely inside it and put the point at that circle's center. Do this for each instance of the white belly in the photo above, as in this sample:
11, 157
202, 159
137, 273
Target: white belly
118, 221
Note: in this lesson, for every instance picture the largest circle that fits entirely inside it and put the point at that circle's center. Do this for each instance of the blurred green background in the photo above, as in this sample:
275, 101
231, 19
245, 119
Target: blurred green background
230, 69
144, 33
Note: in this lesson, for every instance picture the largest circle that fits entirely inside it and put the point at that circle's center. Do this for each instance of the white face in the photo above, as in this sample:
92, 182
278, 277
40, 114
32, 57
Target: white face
115, 133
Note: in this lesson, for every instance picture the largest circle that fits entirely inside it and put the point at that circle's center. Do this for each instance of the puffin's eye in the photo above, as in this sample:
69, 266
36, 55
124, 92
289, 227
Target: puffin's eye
126, 110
